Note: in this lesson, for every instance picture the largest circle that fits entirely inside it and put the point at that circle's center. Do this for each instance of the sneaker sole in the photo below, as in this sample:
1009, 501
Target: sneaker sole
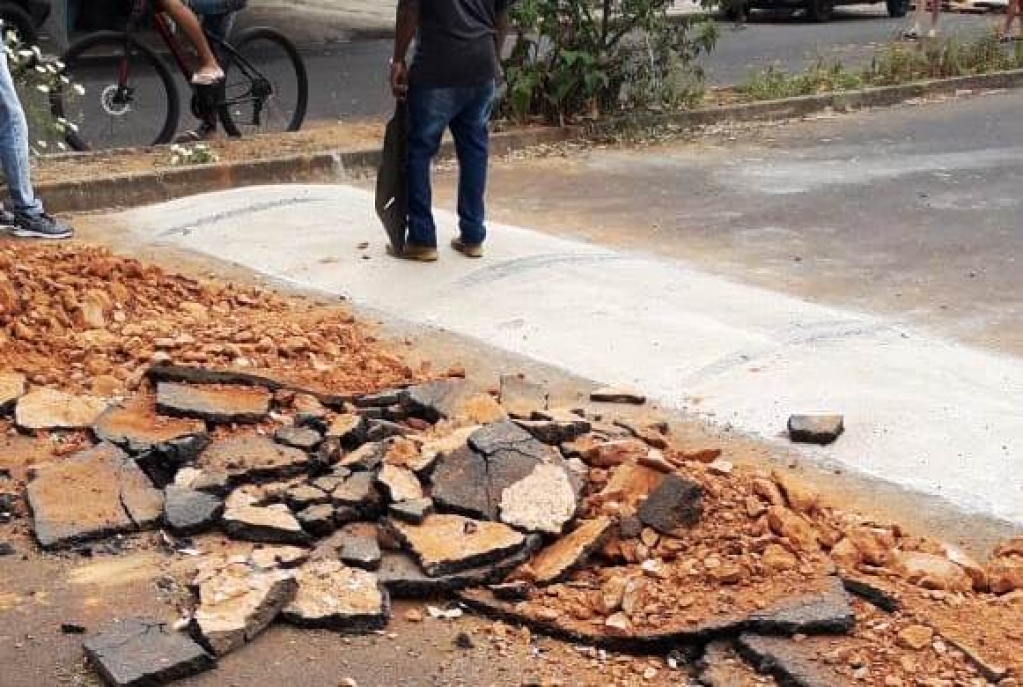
26, 234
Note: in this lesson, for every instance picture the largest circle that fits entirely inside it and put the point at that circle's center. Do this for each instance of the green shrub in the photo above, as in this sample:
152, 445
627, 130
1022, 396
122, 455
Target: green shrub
577, 58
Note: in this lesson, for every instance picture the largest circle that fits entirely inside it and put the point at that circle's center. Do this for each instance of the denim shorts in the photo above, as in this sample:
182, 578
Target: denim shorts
212, 7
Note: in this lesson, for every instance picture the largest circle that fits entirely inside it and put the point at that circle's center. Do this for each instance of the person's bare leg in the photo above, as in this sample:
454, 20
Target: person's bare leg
209, 69
918, 17
1011, 11
935, 15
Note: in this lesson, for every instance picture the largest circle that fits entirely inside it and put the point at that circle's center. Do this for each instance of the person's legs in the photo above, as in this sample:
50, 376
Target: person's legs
14, 154
29, 219
1011, 12
209, 69
471, 130
430, 111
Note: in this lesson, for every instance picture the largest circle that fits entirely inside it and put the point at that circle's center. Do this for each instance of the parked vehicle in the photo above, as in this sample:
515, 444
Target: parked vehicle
24, 17
816, 10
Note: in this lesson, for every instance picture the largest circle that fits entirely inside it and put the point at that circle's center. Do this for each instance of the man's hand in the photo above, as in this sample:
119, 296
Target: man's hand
399, 80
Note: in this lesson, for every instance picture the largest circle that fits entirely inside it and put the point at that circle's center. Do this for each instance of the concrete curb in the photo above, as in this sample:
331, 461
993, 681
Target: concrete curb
135, 189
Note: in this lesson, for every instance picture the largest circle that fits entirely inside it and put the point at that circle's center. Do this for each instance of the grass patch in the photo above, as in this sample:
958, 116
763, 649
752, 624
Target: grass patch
899, 63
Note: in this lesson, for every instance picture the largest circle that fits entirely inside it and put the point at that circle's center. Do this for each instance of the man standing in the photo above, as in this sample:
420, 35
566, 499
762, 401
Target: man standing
451, 84
27, 218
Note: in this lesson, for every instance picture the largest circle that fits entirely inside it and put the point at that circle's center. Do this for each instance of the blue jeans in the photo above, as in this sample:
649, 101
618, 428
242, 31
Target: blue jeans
14, 156
466, 111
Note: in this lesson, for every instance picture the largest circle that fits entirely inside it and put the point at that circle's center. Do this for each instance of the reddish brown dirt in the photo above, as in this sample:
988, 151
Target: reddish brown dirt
318, 139
84, 319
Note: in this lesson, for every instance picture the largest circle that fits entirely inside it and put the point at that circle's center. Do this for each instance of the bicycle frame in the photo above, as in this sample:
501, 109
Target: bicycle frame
260, 85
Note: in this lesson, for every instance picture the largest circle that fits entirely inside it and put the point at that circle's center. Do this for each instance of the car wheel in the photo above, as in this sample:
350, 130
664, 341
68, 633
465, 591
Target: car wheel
16, 20
820, 10
897, 9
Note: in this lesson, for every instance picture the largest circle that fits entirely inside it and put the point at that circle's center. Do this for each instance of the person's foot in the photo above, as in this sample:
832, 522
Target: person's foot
912, 34
415, 253
469, 250
208, 76
41, 226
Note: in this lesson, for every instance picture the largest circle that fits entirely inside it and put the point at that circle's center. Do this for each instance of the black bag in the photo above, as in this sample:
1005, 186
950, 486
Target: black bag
392, 179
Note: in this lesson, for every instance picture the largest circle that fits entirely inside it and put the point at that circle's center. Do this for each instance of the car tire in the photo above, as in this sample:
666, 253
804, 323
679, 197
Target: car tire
820, 11
897, 9
17, 19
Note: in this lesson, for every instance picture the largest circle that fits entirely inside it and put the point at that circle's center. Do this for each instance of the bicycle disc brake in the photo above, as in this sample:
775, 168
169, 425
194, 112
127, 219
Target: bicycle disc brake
116, 100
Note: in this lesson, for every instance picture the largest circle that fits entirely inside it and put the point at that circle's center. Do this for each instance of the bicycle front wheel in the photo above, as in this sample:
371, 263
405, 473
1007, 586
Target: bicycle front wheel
121, 94
267, 87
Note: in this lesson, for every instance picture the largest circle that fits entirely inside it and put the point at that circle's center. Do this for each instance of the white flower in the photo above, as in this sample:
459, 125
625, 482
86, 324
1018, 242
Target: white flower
79, 89
43, 88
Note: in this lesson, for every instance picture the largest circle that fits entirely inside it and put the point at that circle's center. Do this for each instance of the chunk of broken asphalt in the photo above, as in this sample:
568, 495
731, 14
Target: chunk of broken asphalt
214, 404
349, 430
143, 652
569, 552
41, 409
454, 399
238, 602
333, 596
366, 457
461, 484
404, 578
380, 399
414, 511
269, 525
318, 520
399, 484
298, 437
544, 501
816, 429
793, 663
94, 493
304, 495
358, 491
252, 458
188, 512
471, 481
555, 432
872, 591
619, 396
676, 503
138, 432
360, 552
826, 612
445, 544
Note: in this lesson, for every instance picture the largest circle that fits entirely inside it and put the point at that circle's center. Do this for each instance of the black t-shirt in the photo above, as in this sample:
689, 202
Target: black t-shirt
456, 43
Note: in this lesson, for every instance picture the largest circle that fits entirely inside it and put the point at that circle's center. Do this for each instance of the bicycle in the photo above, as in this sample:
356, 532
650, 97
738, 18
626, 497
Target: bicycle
125, 80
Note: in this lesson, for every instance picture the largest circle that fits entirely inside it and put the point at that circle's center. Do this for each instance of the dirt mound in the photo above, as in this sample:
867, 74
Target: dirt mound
87, 320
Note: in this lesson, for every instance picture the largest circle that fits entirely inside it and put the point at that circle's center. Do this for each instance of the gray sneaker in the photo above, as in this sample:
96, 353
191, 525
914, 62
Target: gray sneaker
40, 226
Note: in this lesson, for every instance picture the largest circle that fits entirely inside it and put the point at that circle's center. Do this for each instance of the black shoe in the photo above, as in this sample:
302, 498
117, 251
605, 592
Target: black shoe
40, 226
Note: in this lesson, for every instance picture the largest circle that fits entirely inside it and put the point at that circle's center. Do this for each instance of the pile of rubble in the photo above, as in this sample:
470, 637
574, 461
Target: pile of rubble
88, 321
594, 529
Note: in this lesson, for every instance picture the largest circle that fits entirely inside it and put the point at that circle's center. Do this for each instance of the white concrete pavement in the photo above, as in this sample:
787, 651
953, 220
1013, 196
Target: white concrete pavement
925, 413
